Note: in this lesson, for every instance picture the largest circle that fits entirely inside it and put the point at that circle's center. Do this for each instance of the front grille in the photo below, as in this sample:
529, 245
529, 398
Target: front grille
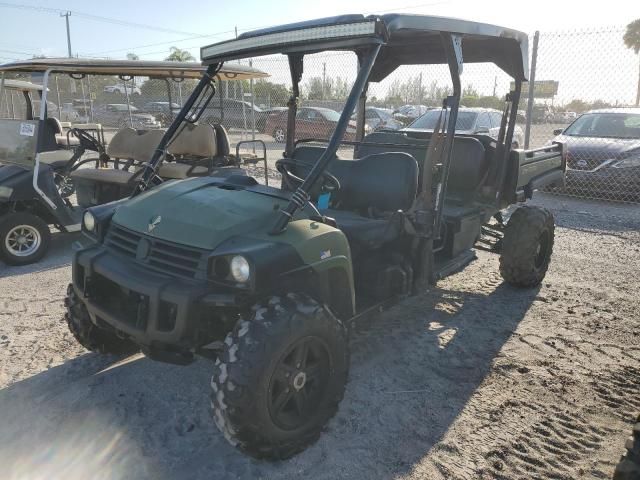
585, 160
159, 255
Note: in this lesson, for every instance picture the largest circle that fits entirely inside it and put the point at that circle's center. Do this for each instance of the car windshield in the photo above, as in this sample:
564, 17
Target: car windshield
329, 114
428, 121
607, 125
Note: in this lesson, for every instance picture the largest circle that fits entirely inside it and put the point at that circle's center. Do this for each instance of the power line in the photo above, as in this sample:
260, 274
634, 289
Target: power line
99, 18
16, 52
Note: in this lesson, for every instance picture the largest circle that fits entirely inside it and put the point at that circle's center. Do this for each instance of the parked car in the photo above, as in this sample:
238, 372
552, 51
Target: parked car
471, 121
378, 118
117, 115
408, 113
122, 89
235, 114
603, 152
163, 111
311, 122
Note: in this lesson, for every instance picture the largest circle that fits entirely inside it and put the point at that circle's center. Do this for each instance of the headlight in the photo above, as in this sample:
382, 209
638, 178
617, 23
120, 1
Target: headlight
628, 162
240, 270
89, 221
5, 192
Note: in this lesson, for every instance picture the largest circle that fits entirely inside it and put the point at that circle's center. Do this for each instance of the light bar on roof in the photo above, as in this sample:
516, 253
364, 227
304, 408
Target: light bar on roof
329, 32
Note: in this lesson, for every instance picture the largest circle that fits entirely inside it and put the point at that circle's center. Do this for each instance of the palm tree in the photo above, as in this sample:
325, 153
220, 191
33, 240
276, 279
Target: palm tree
632, 40
179, 55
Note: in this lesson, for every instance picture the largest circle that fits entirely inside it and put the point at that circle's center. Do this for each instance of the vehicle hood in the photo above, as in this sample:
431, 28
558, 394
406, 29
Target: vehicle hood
604, 146
198, 212
585, 153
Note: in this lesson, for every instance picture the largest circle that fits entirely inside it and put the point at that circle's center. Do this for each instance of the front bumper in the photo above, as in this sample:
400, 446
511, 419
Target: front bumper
158, 312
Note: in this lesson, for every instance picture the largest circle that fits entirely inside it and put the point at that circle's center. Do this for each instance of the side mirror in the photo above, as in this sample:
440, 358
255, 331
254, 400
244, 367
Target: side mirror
558, 131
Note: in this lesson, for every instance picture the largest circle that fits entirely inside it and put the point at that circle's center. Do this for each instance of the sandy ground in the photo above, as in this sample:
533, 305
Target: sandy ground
473, 379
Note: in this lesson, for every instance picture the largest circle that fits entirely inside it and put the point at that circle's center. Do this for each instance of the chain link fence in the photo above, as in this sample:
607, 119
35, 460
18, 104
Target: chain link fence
575, 72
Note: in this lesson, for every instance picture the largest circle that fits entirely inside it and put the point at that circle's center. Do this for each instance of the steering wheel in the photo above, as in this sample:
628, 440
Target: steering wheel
330, 182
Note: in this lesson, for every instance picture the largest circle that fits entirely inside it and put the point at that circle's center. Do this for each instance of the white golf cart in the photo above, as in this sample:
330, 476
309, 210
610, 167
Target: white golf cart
51, 170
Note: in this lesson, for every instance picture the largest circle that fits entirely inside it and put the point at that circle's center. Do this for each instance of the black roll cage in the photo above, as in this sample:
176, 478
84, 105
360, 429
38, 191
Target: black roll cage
428, 211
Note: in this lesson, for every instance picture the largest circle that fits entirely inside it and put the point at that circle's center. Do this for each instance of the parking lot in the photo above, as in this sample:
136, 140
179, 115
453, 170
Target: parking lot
473, 379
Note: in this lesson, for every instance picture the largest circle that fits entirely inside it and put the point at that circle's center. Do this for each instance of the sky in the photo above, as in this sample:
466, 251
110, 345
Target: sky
27, 31
588, 58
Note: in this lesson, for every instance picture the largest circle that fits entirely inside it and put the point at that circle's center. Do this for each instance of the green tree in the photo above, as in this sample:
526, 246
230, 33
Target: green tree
632, 40
132, 56
178, 55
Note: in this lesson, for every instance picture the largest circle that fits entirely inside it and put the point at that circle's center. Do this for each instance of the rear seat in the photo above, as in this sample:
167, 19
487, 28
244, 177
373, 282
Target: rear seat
469, 159
97, 185
196, 144
193, 144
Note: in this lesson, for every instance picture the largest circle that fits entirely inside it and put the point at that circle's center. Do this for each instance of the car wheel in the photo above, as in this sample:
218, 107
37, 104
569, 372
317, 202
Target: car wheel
273, 401
279, 135
24, 238
527, 246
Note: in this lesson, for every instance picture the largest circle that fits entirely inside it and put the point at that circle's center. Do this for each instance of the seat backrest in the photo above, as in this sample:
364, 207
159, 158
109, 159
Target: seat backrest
222, 137
129, 144
386, 181
469, 159
52, 127
195, 140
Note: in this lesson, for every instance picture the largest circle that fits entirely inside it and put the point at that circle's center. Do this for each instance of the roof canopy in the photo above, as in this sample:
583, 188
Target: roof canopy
21, 85
138, 68
405, 39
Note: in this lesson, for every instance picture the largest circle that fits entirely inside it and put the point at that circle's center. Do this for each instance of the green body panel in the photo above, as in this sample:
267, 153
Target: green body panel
18, 139
532, 167
198, 213
315, 242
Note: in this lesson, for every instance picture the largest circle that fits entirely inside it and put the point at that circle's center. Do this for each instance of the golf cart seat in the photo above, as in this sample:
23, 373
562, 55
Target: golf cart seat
372, 190
56, 158
197, 145
95, 186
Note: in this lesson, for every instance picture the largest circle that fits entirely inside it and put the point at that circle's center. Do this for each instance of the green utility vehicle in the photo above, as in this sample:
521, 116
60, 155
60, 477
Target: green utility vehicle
266, 280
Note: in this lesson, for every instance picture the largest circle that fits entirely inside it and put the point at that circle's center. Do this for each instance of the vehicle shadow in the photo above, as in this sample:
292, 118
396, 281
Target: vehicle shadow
413, 370
59, 255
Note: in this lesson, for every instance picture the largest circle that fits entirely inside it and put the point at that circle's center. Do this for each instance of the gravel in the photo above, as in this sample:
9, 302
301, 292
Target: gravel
473, 379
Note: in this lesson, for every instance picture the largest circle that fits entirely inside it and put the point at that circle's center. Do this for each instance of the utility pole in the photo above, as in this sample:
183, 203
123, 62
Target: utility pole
324, 75
67, 15
495, 85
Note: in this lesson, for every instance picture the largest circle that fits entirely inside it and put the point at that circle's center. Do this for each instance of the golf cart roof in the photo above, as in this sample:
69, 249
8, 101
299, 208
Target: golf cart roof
406, 40
139, 68
21, 85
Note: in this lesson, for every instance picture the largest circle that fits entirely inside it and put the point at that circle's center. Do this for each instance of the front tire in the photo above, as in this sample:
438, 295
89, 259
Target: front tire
90, 336
527, 246
24, 238
280, 377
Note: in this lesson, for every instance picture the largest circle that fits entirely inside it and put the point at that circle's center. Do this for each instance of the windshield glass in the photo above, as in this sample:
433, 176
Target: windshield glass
330, 115
614, 125
428, 121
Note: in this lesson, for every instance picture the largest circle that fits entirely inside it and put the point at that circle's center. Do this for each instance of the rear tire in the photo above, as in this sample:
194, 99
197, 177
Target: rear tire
629, 466
280, 377
527, 246
89, 335
24, 238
